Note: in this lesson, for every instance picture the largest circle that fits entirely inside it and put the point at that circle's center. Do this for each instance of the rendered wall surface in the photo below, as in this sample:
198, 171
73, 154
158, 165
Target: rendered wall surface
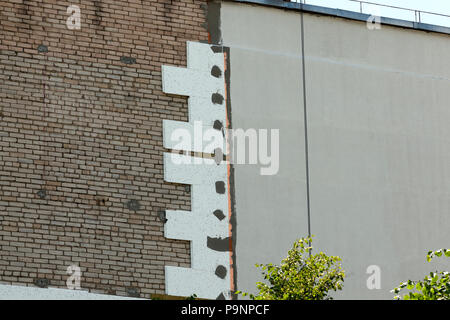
265, 94
378, 115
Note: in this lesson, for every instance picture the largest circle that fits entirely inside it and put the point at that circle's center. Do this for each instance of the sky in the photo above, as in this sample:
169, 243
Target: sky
435, 6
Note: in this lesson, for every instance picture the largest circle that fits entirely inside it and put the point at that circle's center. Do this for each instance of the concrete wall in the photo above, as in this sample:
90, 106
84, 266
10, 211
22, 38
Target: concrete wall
377, 112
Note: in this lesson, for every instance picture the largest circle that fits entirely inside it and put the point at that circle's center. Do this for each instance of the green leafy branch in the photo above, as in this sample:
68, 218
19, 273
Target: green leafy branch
435, 286
300, 276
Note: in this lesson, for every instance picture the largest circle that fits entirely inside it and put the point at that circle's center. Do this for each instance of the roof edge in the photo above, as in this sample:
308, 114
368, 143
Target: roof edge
346, 14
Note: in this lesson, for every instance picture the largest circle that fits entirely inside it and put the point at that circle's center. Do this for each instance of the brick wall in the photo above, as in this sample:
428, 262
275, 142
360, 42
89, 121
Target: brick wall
84, 127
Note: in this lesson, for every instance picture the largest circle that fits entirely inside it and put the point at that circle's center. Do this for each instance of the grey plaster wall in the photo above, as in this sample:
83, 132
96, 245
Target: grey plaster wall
379, 143
266, 94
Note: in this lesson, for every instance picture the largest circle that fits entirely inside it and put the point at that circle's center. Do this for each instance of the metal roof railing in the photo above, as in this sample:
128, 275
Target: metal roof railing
418, 14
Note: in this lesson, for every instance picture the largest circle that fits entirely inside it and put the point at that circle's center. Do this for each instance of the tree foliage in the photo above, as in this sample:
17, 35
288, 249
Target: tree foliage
435, 286
300, 276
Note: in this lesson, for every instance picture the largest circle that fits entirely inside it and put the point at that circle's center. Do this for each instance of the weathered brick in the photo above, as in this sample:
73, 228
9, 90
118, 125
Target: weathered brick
85, 127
